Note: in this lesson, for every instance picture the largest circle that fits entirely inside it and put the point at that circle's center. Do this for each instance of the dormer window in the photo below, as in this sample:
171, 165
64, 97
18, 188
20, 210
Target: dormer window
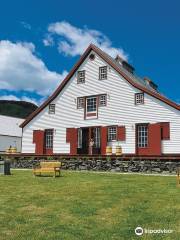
139, 98
103, 73
52, 108
81, 76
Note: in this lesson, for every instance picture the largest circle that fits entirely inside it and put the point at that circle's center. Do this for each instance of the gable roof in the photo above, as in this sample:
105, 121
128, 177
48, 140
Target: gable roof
131, 78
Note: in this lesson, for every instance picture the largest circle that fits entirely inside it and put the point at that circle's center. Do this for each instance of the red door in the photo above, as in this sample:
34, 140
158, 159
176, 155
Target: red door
148, 139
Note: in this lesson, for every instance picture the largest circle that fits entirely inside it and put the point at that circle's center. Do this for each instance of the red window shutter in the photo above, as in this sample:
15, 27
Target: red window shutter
71, 137
38, 139
68, 132
121, 133
103, 140
165, 131
154, 139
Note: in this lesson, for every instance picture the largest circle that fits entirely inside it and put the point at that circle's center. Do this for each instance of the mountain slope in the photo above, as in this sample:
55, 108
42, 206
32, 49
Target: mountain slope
19, 109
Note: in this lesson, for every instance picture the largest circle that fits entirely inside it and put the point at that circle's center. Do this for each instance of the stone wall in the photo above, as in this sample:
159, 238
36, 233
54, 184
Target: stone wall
115, 165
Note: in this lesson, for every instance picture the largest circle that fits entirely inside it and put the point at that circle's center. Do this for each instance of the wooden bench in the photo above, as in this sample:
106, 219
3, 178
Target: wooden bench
48, 168
178, 176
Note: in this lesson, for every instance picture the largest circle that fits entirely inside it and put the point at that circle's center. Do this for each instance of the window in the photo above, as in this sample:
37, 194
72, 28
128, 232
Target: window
142, 136
49, 138
80, 102
102, 100
80, 138
96, 137
112, 133
139, 98
103, 73
81, 76
91, 104
51, 108
91, 56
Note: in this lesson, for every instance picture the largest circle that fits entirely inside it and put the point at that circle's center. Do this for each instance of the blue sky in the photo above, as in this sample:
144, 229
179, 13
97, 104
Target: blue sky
41, 40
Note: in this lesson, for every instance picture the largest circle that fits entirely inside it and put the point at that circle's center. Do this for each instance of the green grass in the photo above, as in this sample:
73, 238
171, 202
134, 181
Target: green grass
87, 206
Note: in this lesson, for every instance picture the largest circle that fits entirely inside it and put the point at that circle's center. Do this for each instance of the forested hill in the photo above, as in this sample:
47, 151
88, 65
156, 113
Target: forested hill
19, 109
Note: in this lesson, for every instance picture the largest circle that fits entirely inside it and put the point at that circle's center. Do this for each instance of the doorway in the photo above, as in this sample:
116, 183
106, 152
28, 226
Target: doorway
84, 137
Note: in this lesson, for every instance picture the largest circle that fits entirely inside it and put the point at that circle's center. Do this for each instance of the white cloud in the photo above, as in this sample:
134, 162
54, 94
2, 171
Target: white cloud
21, 69
76, 40
48, 40
23, 98
26, 25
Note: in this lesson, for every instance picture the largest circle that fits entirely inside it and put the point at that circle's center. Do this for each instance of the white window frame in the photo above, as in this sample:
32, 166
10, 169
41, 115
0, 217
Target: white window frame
52, 108
97, 137
94, 98
102, 100
139, 98
112, 133
81, 76
80, 102
103, 73
142, 136
80, 138
49, 138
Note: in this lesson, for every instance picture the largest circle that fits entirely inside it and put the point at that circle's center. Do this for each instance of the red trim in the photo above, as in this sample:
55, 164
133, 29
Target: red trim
165, 131
113, 65
91, 115
71, 137
154, 141
103, 140
38, 139
121, 133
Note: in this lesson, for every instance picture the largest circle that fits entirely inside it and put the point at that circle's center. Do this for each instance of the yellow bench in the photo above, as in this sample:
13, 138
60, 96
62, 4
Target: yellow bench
178, 176
48, 167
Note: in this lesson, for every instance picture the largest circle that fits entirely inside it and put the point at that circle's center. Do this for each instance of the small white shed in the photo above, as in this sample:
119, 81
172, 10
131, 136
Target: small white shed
10, 133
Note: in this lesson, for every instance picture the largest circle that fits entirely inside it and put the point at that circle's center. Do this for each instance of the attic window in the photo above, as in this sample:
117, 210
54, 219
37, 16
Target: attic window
139, 98
81, 76
103, 73
51, 108
91, 56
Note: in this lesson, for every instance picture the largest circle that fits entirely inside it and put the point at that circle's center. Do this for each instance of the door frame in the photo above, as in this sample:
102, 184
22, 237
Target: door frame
89, 137
136, 137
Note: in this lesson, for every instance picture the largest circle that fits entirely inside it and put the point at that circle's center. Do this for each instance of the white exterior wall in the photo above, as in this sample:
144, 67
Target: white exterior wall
7, 141
120, 110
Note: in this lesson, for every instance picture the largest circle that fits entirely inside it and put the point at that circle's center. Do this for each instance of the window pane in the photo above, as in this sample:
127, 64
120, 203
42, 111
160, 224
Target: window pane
80, 102
91, 104
142, 136
112, 133
139, 98
51, 108
102, 100
81, 76
49, 138
103, 73
96, 137
79, 138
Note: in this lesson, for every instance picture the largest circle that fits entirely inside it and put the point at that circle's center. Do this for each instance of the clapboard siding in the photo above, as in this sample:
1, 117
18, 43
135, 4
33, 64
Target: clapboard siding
120, 110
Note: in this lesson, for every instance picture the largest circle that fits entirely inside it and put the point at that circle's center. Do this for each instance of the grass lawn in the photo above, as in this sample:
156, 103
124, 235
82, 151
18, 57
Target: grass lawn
87, 206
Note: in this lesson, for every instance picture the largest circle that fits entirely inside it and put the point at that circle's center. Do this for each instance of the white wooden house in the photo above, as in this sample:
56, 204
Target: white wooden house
10, 133
102, 99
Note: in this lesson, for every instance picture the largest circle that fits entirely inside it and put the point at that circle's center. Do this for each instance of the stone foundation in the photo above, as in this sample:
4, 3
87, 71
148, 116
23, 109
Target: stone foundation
115, 165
